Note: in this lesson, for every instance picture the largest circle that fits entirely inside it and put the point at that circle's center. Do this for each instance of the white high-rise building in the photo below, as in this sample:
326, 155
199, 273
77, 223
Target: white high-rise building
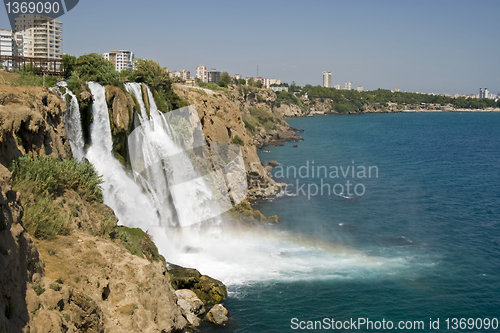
185, 75
42, 36
360, 89
338, 86
327, 79
202, 73
348, 85
6, 47
122, 59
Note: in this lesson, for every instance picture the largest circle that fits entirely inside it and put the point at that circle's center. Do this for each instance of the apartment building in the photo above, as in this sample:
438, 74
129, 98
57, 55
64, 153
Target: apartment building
6, 47
38, 36
121, 59
214, 75
184, 74
202, 73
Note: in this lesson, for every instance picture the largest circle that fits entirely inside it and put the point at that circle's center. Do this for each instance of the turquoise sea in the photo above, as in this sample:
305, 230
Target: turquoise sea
421, 243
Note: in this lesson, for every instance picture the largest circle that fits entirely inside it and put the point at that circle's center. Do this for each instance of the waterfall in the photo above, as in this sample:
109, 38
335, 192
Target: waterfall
72, 120
178, 183
131, 205
164, 168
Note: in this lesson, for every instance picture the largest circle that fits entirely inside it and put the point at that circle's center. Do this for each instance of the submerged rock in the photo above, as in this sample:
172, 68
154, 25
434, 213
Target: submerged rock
217, 315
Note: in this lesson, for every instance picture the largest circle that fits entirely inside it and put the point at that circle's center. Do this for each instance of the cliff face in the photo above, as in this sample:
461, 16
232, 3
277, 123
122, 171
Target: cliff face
81, 282
31, 121
18, 259
222, 114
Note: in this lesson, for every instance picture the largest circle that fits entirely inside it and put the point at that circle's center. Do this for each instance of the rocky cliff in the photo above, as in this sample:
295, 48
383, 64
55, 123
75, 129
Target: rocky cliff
31, 122
89, 278
247, 117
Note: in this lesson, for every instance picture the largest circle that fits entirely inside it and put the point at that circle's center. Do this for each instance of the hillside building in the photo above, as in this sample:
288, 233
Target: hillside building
121, 59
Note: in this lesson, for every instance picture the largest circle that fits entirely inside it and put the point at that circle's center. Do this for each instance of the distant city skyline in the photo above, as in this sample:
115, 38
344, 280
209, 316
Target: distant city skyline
427, 46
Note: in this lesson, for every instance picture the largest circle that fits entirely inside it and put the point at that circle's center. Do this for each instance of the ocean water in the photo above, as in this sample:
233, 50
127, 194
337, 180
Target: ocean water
420, 241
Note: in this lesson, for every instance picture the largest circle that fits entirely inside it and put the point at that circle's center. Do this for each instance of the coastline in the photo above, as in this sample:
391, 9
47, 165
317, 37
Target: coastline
322, 113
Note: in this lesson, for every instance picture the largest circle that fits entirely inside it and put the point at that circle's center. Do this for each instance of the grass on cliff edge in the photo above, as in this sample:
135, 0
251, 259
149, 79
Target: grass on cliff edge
22, 78
41, 180
260, 117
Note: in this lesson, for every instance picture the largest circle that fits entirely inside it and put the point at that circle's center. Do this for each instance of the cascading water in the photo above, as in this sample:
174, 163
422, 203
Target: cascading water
131, 205
166, 171
73, 122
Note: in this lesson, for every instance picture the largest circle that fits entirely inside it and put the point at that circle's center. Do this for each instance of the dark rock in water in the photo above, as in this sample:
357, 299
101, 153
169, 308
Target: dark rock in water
298, 130
273, 163
295, 146
217, 315
210, 291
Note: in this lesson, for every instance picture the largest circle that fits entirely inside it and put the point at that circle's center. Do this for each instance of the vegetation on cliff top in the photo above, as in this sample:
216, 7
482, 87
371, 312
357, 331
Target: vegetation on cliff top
259, 117
93, 67
40, 180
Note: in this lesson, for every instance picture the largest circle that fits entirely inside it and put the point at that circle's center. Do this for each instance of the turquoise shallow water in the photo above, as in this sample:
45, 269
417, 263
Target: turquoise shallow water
423, 241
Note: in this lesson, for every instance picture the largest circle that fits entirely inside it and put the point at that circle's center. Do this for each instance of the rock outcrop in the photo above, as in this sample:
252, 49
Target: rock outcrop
191, 306
221, 115
210, 291
31, 122
217, 315
20, 263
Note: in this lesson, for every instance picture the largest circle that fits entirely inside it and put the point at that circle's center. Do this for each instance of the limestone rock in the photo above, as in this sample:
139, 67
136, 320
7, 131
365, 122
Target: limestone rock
31, 121
217, 315
273, 163
221, 115
19, 260
191, 306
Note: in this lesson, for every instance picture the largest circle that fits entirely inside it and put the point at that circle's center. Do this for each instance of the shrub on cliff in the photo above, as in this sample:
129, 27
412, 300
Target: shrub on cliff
47, 175
159, 81
40, 179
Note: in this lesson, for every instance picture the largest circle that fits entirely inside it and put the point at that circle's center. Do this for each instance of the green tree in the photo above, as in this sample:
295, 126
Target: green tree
225, 79
251, 82
258, 84
68, 63
93, 67
155, 76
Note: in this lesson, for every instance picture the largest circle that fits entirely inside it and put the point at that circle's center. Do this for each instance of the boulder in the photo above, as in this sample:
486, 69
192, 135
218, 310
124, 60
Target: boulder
217, 315
273, 163
210, 291
191, 306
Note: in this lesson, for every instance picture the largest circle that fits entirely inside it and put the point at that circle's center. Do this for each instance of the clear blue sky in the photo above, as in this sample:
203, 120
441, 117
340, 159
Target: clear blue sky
442, 46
